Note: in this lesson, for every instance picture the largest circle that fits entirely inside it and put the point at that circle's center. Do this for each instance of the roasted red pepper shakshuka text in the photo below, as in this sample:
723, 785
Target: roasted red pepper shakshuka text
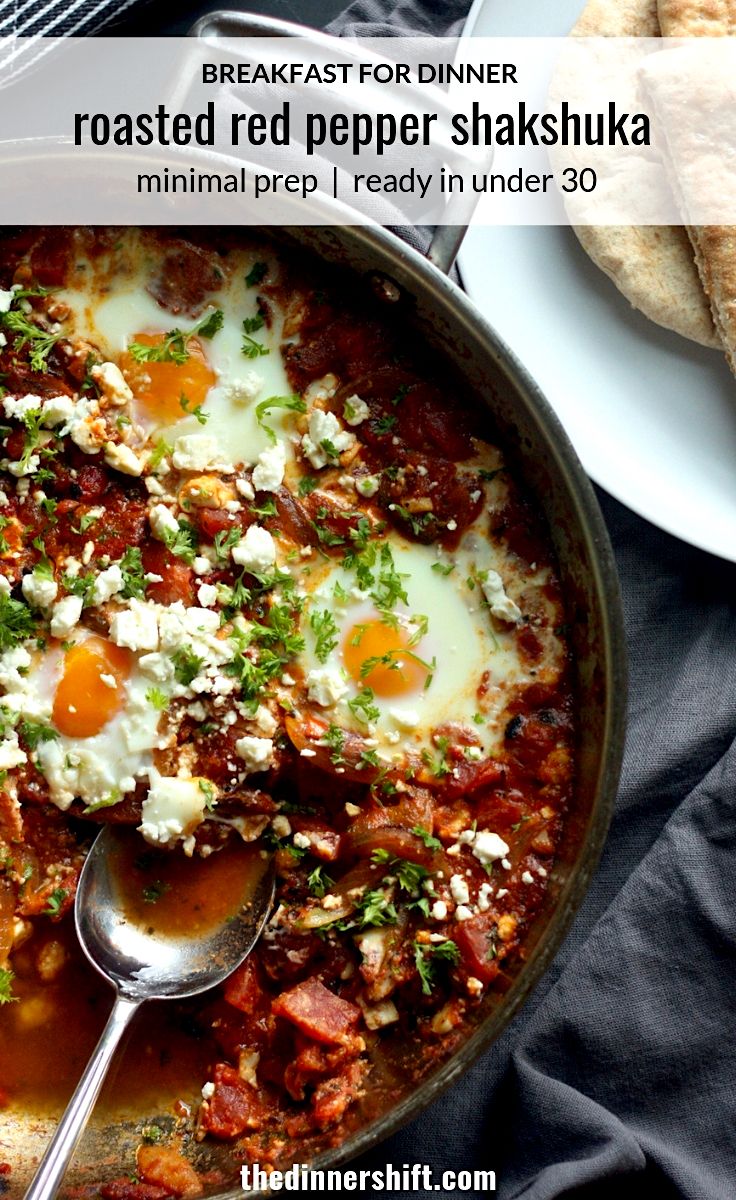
265, 576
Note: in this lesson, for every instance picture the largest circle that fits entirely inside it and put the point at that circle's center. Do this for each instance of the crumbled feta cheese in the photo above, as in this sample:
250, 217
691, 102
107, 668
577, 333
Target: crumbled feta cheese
463, 912
107, 584
111, 382
256, 752
135, 627
459, 889
65, 615
301, 841
356, 410
7, 297
501, 605
474, 986
501, 893
153, 486
265, 720
58, 410
17, 407
11, 754
406, 718
123, 459
109, 681
245, 489
325, 686
439, 910
527, 877
268, 474
256, 551
172, 810
207, 594
281, 826
484, 897
367, 485
487, 847
208, 1090
322, 389
326, 439
352, 810
163, 522
244, 389
40, 592
198, 452
202, 565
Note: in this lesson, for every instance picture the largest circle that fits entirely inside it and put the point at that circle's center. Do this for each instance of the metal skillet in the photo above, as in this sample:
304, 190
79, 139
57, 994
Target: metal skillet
442, 314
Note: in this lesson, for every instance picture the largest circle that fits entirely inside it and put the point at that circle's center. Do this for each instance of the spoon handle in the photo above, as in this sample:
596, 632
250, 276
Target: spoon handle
55, 1161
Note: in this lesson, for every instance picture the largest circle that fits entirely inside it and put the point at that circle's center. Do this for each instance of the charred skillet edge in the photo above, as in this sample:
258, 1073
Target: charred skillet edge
415, 274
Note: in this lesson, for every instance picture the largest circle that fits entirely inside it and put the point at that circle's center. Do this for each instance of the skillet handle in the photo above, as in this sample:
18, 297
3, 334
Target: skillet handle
444, 246
51, 1171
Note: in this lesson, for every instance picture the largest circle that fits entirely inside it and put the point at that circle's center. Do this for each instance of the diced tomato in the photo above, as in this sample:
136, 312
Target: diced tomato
475, 940
243, 989
177, 578
50, 257
166, 1167
124, 1189
318, 1012
234, 1107
333, 1097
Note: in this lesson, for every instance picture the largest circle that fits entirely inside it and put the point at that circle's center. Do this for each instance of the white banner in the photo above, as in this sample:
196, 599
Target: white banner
271, 131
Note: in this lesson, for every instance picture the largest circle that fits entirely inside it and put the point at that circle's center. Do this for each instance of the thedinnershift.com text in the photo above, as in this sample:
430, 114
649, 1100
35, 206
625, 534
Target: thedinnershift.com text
417, 1177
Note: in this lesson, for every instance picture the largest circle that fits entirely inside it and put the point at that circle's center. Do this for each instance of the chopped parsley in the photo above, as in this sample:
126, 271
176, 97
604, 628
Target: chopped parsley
307, 484
363, 708
55, 901
187, 665
432, 843
385, 424
251, 348
225, 540
153, 892
27, 333
16, 622
157, 699
256, 274
334, 738
324, 628
6, 986
196, 412
35, 732
318, 882
183, 542
426, 955
173, 348
290, 403
134, 576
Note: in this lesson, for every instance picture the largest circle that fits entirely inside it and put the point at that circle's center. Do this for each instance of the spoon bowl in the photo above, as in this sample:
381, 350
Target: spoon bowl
153, 955
143, 958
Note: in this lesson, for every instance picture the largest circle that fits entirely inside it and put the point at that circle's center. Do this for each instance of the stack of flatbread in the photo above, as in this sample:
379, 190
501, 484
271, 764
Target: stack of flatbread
682, 278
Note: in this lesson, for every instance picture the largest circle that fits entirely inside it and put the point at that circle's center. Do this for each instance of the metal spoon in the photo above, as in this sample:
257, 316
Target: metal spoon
142, 965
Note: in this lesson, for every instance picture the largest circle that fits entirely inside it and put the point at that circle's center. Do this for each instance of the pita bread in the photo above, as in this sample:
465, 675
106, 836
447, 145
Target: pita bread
697, 18
714, 245
651, 265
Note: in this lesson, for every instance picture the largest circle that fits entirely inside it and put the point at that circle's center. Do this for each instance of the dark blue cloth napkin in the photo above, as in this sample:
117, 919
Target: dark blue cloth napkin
618, 1078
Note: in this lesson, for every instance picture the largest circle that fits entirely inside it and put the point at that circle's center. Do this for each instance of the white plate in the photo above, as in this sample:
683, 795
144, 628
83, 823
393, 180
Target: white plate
651, 414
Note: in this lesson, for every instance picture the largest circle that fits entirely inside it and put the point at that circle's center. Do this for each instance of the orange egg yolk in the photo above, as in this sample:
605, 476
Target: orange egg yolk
165, 391
85, 700
397, 672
